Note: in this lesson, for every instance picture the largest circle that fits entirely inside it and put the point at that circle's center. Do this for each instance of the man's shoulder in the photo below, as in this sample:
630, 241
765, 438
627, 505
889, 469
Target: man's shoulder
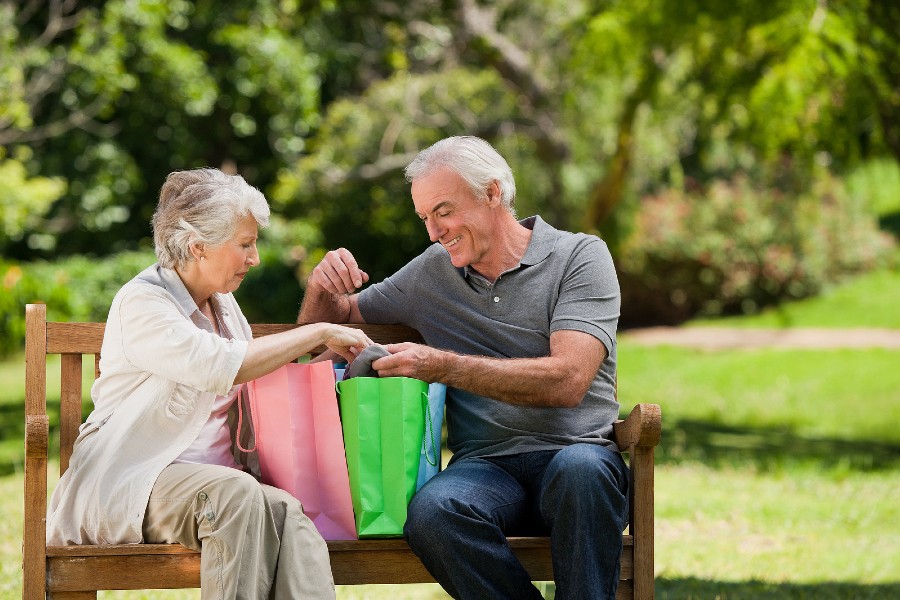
544, 229
432, 260
569, 243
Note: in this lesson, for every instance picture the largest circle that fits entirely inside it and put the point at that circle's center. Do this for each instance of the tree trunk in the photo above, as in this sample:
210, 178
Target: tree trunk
607, 193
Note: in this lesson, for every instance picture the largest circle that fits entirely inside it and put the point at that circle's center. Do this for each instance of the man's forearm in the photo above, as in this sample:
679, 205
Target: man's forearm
322, 306
536, 382
560, 379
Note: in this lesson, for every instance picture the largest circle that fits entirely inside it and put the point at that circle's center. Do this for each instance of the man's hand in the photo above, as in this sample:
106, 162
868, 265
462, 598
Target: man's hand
338, 273
412, 360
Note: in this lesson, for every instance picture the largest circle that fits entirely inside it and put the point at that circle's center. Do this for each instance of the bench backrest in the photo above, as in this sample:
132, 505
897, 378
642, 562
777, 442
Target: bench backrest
72, 341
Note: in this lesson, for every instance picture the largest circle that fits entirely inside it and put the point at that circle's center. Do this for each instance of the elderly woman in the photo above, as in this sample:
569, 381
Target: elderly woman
154, 461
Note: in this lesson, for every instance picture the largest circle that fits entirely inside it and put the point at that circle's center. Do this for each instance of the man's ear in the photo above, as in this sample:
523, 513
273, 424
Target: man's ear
494, 193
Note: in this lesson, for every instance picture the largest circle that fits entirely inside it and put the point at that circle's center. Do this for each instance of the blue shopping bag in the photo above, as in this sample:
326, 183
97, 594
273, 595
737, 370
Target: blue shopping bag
430, 463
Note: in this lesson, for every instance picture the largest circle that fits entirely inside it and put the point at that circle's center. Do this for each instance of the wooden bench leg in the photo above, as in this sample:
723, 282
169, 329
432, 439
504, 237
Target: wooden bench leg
642, 521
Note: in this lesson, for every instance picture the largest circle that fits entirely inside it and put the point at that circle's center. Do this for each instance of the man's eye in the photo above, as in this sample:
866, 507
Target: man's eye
444, 214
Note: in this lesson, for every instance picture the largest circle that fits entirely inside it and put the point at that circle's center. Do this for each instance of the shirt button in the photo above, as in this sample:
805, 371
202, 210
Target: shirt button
202, 496
496, 298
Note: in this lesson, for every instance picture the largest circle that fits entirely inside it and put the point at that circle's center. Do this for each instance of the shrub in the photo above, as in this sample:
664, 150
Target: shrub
74, 289
736, 248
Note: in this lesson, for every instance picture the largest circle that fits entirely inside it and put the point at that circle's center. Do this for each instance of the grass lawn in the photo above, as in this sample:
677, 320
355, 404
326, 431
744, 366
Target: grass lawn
739, 525
869, 300
813, 401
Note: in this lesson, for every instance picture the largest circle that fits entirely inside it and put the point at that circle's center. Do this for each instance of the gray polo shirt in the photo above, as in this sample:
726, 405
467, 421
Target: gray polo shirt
565, 281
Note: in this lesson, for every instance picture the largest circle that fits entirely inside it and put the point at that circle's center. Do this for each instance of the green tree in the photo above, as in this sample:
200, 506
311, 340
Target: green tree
112, 97
695, 89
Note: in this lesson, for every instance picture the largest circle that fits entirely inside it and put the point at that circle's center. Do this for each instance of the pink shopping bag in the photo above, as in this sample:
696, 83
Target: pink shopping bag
300, 443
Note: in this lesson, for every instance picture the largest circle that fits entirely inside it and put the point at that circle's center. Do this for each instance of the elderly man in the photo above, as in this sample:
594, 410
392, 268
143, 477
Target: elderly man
520, 321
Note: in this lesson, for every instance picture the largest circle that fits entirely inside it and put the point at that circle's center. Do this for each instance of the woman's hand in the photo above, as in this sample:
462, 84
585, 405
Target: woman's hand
346, 341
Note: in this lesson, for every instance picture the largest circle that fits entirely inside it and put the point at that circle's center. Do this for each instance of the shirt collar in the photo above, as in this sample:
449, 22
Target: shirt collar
542, 242
173, 284
540, 246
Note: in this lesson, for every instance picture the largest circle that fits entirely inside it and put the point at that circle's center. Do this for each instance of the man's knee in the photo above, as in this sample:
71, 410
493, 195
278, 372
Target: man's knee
422, 516
585, 476
588, 464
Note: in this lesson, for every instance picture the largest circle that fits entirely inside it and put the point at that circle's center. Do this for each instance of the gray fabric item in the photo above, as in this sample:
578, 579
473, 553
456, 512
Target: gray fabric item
362, 365
565, 281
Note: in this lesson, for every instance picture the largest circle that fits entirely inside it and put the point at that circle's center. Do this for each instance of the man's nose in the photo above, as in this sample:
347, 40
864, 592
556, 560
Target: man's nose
434, 232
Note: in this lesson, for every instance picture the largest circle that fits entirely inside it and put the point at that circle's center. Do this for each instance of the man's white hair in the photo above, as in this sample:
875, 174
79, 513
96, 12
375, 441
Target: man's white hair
473, 159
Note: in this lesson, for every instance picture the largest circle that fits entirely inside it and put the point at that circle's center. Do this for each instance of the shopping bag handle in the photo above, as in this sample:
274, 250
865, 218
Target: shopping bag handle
241, 421
429, 426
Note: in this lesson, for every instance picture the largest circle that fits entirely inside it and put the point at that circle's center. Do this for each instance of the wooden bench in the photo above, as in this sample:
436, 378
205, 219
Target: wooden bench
79, 571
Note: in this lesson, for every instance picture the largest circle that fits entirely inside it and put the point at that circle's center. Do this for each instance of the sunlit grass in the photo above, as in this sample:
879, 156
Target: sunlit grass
815, 393
869, 300
800, 527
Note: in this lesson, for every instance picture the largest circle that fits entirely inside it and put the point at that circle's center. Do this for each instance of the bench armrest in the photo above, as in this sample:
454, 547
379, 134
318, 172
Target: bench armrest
642, 427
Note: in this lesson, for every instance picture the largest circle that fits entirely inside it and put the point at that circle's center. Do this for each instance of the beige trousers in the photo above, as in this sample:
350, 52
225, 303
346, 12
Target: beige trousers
255, 542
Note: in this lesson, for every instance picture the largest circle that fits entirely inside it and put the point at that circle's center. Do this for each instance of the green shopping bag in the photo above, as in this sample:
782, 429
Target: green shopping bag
384, 426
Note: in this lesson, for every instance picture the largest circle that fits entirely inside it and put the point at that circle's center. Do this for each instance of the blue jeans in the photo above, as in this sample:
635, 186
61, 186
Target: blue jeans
458, 522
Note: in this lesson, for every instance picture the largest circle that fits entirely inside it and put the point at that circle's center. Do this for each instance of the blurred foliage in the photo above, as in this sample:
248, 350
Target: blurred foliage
735, 247
878, 182
602, 107
25, 200
79, 288
113, 96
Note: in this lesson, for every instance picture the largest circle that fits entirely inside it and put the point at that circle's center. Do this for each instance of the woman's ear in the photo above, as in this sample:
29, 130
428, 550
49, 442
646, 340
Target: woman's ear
198, 251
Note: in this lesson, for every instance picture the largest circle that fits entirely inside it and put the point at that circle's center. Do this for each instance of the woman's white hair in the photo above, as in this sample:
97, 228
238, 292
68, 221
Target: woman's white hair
202, 206
473, 159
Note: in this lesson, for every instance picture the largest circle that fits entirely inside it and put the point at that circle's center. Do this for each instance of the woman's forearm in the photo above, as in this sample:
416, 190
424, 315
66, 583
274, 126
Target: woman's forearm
267, 353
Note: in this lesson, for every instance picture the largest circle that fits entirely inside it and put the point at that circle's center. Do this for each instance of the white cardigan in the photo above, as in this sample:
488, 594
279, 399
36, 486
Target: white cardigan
161, 367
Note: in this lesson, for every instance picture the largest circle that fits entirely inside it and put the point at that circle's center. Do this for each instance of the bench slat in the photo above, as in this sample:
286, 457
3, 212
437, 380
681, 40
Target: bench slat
70, 407
86, 338
74, 338
125, 566
123, 572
